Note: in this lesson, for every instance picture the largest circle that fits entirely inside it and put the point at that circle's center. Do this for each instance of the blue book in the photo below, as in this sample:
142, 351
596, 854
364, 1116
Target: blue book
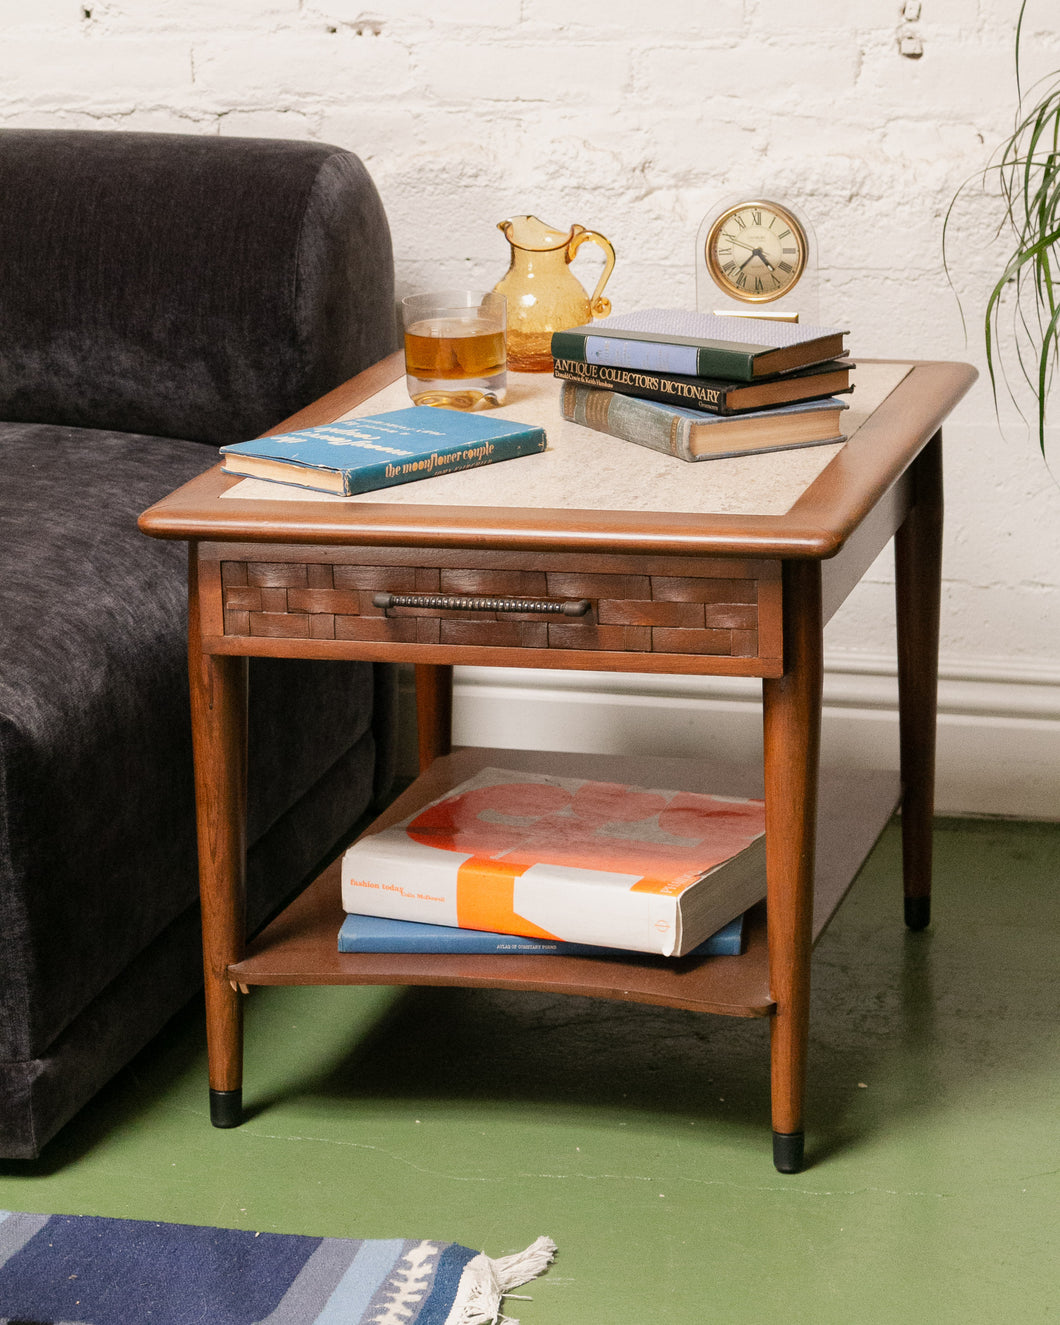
400, 446
381, 934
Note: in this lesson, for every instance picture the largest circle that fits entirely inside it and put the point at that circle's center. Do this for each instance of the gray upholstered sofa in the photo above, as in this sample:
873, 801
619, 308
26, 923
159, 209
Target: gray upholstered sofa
159, 295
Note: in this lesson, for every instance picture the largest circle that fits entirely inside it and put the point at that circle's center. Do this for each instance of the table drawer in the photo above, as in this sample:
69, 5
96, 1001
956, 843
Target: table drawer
643, 606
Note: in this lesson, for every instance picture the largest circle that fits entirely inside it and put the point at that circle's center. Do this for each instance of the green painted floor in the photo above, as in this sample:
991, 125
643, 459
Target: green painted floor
639, 1139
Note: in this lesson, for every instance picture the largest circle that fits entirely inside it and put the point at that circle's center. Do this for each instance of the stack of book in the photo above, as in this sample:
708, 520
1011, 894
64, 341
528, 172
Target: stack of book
517, 862
702, 386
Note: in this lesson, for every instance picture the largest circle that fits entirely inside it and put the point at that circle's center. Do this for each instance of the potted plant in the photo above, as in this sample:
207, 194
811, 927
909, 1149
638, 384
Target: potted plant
1026, 168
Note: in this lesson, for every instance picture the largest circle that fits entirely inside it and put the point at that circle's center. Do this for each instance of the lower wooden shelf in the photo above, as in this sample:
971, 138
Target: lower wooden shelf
300, 946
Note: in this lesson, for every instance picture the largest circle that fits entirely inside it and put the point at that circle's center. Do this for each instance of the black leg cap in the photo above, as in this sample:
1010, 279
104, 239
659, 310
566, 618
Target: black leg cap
226, 1108
917, 912
788, 1150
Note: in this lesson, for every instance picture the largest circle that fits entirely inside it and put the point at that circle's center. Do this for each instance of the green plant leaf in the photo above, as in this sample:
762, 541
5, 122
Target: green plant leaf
1026, 167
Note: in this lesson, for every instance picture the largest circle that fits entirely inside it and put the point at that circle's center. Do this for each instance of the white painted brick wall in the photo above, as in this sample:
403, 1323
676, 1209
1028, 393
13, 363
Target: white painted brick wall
634, 120
308, 70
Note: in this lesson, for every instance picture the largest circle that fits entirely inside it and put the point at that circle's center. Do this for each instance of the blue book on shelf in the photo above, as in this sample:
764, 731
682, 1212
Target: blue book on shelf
380, 934
400, 446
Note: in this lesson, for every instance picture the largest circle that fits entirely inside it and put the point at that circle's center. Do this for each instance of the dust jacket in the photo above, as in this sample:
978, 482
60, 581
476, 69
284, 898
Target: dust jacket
381, 450
566, 859
669, 340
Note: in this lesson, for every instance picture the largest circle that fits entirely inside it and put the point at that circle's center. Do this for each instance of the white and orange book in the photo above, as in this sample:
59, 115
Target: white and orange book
566, 859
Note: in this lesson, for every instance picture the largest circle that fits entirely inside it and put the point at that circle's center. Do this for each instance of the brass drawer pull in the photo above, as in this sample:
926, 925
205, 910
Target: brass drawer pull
453, 602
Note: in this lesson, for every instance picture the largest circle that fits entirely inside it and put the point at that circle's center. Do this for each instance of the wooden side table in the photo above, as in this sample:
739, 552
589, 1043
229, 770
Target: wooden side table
727, 567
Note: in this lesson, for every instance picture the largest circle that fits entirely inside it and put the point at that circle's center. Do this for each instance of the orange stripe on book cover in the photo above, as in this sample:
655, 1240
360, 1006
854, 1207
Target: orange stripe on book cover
485, 898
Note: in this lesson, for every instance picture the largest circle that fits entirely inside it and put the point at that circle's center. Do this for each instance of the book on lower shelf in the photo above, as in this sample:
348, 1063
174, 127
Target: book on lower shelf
714, 395
360, 933
568, 860
670, 340
362, 455
690, 434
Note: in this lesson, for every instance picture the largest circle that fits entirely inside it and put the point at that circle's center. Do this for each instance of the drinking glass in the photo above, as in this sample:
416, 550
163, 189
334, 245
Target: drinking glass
455, 348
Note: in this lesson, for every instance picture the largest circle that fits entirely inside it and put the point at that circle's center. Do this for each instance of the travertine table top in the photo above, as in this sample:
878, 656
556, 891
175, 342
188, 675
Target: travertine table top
583, 469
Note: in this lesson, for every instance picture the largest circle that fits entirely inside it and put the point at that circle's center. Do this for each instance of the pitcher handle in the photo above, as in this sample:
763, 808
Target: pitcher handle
598, 306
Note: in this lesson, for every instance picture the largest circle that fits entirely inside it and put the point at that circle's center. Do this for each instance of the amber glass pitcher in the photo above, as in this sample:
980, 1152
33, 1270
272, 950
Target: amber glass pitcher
542, 292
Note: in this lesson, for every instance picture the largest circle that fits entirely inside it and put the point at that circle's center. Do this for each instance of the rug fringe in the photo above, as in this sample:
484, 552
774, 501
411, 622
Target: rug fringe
485, 1281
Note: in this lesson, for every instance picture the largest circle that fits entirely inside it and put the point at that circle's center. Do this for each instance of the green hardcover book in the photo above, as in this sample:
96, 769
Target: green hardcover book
667, 340
381, 450
690, 434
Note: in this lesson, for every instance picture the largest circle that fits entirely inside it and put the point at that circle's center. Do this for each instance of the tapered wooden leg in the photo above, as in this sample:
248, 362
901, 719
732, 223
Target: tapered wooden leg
434, 711
218, 687
918, 592
792, 730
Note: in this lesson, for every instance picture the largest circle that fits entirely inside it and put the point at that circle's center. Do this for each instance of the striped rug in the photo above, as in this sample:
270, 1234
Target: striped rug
87, 1270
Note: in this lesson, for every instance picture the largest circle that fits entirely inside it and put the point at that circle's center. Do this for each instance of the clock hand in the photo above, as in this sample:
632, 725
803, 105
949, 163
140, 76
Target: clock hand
756, 253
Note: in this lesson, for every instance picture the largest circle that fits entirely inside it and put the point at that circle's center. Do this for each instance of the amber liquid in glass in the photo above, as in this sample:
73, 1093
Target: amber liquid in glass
457, 362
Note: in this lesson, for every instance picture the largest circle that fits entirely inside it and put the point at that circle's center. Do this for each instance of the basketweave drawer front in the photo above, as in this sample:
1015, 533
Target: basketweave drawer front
719, 609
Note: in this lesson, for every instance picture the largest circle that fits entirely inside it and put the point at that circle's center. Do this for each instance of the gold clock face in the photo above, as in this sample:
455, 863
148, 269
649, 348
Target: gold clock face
756, 251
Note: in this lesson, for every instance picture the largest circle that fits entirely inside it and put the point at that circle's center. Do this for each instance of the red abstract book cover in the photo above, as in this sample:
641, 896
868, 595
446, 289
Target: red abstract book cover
563, 858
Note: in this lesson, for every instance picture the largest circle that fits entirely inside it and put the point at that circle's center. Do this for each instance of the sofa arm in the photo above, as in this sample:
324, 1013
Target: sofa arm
185, 286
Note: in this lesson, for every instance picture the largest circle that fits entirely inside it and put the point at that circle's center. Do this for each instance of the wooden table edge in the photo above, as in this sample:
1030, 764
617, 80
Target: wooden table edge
816, 527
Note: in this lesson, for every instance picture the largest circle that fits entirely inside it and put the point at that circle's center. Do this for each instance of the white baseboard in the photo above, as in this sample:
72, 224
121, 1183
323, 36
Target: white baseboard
998, 728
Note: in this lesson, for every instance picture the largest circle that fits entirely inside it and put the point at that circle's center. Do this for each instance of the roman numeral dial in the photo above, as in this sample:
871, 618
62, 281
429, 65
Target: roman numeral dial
756, 251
